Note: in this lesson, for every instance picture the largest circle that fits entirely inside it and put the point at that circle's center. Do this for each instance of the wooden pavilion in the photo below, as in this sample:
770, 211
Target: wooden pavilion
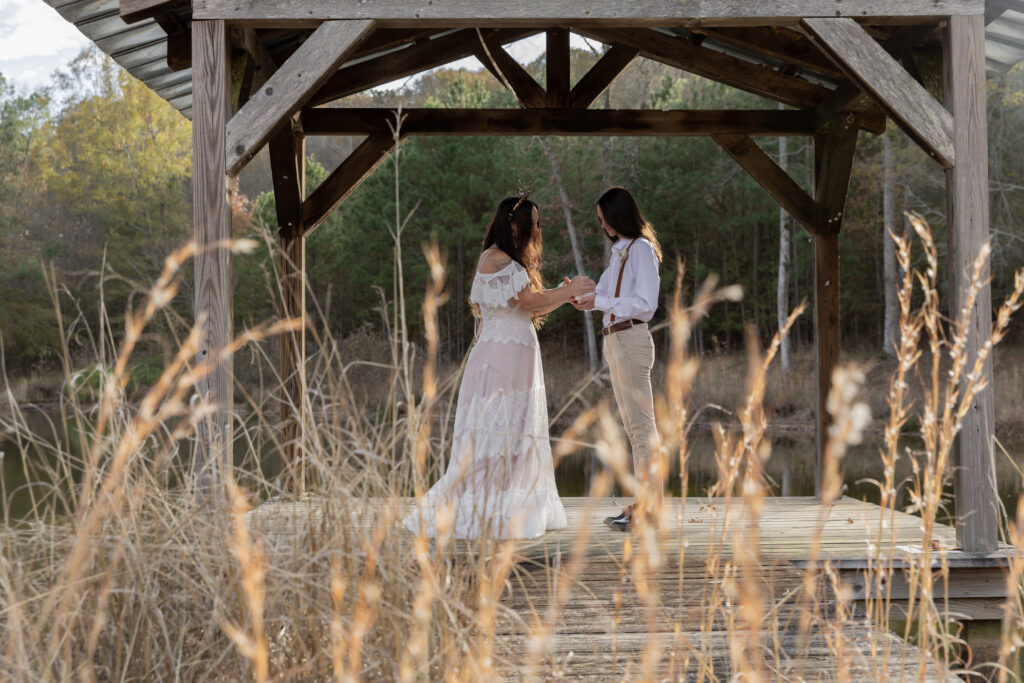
265, 72
251, 73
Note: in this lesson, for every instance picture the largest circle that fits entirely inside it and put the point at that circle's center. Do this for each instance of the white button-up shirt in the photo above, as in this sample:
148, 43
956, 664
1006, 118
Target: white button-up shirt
638, 297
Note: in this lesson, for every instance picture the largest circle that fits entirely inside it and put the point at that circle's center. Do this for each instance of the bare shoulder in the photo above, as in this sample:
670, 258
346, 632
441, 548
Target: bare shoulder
493, 260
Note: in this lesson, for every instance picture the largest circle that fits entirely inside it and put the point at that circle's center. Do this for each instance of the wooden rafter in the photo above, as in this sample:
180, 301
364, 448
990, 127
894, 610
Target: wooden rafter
582, 13
872, 69
509, 72
290, 88
772, 178
739, 73
287, 170
783, 44
639, 122
557, 63
337, 186
132, 11
601, 75
418, 57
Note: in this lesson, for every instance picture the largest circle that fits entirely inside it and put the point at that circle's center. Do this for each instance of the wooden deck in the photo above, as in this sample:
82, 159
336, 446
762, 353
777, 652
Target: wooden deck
605, 630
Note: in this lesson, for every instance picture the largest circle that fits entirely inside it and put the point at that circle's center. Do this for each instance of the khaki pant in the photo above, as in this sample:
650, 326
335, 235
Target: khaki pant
630, 357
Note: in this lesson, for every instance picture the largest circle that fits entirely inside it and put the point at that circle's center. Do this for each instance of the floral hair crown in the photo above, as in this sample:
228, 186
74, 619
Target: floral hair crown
523, 192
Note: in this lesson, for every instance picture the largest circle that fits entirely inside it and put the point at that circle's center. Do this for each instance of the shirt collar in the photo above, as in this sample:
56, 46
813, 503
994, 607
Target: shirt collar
622, 243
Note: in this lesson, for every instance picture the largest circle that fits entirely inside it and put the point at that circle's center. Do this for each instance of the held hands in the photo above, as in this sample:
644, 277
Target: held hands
580, 286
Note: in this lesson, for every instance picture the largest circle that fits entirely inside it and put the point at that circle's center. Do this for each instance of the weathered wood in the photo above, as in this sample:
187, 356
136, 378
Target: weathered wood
777, 42
602, 122
680, 53
337, 186
179, 50
974, 477
584, 13
557, 63
826, 338
423, 55
873, 70
509, 72
132, 11
287, 169
840, 143
290, 87
212, 227
601, 75
771, 177
988, 582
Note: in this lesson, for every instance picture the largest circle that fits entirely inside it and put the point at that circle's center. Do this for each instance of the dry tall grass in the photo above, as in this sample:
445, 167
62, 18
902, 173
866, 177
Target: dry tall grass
117, 573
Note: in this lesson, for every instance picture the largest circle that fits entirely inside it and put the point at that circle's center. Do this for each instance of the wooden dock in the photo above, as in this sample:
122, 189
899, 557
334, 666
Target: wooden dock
608, 620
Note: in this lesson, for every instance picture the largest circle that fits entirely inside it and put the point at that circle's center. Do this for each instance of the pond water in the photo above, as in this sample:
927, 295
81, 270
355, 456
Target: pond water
790, 468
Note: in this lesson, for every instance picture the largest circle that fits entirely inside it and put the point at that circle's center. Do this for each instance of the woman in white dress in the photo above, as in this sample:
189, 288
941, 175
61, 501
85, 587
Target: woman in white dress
500, 480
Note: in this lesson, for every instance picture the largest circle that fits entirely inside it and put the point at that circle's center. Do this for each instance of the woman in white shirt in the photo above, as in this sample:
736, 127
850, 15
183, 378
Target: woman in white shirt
628, 295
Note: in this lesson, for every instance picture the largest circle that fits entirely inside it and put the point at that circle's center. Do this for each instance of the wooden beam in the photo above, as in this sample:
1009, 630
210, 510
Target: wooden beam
557, 62
510, 73
833, 178
132, 11
346, 178
771, 177
179, 50
582, 13
212, 227
739, 73
777, 42
873, 70
287, 168
826, 338
290, 87
974, 479
407, 61
601, 75
639, 122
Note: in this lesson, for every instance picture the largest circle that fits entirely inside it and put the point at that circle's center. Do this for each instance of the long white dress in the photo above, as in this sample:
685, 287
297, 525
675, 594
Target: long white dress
500, 480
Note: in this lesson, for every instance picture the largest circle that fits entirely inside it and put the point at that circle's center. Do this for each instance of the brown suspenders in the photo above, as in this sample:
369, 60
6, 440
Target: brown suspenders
622, 269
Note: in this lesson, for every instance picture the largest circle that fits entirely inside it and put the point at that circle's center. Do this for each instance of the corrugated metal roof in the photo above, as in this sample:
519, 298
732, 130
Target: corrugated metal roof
141, 48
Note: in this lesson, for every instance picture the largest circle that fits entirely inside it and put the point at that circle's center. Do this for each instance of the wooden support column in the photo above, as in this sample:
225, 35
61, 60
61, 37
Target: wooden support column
974, 479
288, 167
558, 68
212, 225
833, 155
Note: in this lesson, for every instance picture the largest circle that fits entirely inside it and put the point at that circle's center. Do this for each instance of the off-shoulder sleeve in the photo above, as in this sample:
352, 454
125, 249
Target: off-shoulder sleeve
501, 288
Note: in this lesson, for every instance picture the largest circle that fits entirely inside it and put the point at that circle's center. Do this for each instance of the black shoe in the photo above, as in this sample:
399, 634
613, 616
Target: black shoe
622, 521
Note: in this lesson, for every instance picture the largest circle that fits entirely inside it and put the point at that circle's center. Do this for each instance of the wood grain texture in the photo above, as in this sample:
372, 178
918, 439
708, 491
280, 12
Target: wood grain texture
290, 88
826, 337
840, 143
544, 14
739, 73
639, 122
974, 479
601, 75
781, 43
771, 177
344, 179
873, 70
423, 55
557, 64
132, 11
212, 225
509, 72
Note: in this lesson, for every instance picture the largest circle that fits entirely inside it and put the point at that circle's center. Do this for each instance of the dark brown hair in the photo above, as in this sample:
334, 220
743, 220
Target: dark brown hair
621, 212
513, 231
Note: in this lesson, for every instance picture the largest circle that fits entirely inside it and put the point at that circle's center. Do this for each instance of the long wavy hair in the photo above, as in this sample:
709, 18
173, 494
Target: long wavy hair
621, 212
513, 231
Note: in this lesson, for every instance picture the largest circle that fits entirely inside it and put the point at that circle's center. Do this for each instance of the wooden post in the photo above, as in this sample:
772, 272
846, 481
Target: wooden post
212, 224
974, 479
288, 167
558, 68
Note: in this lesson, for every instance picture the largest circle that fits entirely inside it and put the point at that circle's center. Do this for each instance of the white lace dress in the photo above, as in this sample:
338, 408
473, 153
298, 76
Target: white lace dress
500, 480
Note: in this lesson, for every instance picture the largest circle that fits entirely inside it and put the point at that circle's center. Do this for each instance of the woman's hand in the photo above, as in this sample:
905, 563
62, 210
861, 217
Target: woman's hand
586, 304
581, 285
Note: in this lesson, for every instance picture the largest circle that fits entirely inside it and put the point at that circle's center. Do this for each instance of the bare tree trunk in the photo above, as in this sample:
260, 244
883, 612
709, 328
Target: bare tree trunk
782, 290
891, 325
588, 318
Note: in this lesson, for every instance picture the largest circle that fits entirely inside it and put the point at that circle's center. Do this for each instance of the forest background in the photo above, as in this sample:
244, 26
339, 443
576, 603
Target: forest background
95, 191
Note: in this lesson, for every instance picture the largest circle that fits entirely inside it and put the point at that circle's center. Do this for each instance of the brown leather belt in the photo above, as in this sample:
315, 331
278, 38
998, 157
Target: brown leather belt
619, 327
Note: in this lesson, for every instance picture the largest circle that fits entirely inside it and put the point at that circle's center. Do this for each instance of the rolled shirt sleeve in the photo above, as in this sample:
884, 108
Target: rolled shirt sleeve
640, 285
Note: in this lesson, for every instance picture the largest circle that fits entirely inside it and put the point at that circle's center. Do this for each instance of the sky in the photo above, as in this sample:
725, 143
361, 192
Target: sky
35, 41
